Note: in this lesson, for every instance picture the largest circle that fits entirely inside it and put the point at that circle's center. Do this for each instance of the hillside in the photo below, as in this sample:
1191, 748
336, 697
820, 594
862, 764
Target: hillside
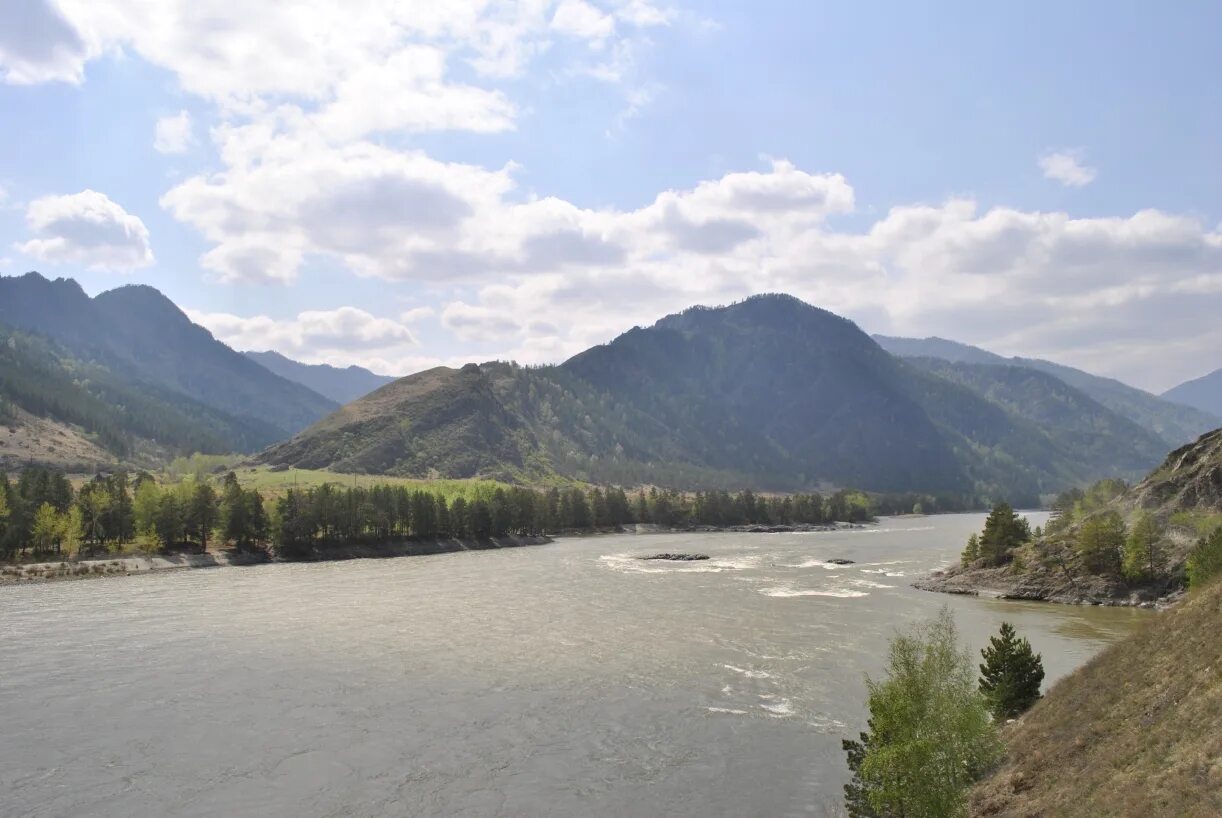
340, 385
1133, 734
59, 410
1173, 422
1203, 393
148, 349
1106, 441
1182, 499
770, 393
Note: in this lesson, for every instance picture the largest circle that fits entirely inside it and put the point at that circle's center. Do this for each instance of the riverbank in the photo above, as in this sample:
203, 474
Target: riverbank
128, 565
1047, 585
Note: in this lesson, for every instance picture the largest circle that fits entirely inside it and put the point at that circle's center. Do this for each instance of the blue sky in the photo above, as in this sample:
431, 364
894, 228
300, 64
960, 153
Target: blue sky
401, 185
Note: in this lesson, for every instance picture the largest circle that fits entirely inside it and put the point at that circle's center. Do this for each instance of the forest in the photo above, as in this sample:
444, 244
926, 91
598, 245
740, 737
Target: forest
42, 516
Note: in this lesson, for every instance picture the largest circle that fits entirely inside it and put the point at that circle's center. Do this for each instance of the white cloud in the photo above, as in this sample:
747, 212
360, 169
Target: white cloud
86, 228
1066, 167
340, 335
478, 324
578, 18
173, 133
37, 44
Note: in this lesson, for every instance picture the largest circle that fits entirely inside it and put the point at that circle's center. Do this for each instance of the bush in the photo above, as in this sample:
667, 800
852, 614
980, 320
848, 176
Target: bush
1205, 561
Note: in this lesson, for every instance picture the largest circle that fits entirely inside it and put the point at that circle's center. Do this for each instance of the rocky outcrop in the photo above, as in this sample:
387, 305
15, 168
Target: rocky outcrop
1046, 585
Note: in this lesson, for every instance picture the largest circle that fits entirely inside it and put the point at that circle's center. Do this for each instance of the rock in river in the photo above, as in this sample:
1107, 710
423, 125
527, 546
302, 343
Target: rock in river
676, 557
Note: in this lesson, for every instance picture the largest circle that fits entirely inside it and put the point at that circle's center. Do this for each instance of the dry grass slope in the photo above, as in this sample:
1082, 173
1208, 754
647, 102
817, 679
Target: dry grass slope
1136, 732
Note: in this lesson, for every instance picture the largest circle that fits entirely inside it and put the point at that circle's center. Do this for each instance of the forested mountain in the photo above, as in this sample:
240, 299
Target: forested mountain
135, 343
1173, 422
78, 414
340, 385
1204, 393
1069, 417
769, 393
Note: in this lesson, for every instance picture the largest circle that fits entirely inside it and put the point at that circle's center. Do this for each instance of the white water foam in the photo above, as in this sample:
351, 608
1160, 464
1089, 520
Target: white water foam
866, 583
777, 706
731, 710
787, 591
750, 674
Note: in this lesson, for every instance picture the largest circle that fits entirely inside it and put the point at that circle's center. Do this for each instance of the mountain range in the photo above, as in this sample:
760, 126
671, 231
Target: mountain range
340, 385
1203, 393
769, 393
1175, 421
127, 372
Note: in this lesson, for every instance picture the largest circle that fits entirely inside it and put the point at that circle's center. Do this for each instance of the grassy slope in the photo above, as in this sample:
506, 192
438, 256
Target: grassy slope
1133, 733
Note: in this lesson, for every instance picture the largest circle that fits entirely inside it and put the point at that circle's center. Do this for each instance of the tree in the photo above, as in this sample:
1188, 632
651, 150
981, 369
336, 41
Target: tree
1101, 542
971, 552
71, 531
930, 734
1144, 557
856, 793
1011, 675
202, 511
46, 530
1003, 531
1205, 561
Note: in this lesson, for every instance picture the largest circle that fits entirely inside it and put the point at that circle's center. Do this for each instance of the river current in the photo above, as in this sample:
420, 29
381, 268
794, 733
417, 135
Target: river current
568, 679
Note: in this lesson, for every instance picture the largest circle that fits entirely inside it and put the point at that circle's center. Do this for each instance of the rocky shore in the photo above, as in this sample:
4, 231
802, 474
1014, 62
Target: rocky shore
1046, 586
23, 573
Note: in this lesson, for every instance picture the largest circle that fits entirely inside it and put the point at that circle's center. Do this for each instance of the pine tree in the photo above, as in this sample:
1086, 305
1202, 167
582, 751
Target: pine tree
856, 792
1011, 675
1003, 531
1101, 542
972, 552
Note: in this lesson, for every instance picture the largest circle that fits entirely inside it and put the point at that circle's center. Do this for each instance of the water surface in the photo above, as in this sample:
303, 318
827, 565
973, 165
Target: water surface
558, 680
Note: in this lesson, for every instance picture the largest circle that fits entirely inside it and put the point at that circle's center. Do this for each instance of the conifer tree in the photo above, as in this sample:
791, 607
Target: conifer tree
971, 553
1144, 557
1205, 561
1011, 675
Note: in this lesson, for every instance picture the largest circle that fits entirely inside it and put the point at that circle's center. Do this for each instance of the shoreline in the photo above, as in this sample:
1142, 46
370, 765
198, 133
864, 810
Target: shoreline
138, 564
1045, 586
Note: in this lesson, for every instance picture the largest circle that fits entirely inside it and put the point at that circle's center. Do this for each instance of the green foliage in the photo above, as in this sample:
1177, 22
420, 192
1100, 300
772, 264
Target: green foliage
1004, 530
1145, 558
1205, 561
1011, 675
971, 552
1100, 543
930, 734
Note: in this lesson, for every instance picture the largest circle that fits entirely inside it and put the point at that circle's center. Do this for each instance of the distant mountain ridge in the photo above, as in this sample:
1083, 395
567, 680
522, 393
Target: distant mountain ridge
1173, 422
769, 393
340, 385
1203, 393
147, 371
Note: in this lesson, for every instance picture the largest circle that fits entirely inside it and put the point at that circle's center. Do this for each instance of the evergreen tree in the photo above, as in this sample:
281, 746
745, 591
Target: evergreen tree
1011, 675
971, 552
202, 513
1003, 531
856, 793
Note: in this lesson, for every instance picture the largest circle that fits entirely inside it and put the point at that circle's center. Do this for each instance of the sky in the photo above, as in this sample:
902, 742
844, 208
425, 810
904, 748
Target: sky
403, 184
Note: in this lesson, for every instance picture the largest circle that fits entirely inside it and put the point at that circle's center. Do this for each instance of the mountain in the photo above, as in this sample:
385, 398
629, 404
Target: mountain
1175, 424
129, 361
1110, 442
1131, 734
340, 385
769, 393
1204, 393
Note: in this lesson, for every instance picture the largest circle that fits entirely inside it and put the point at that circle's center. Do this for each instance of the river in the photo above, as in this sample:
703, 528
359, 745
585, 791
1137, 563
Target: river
567, 679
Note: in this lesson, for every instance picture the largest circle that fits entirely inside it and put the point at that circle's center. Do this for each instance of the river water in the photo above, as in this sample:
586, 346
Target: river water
567, 679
